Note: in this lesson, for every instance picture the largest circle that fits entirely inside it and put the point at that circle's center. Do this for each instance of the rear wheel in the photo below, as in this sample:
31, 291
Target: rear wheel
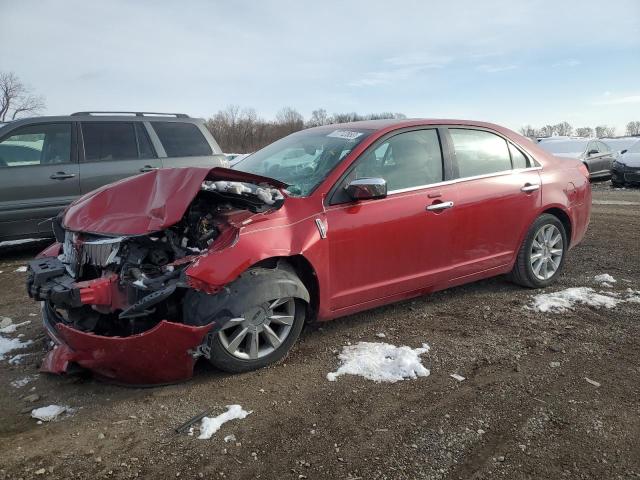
256, 319
542, 253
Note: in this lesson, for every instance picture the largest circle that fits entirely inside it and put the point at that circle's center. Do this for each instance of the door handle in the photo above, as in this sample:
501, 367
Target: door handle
148, 168
62, 176
530, 187
434, 207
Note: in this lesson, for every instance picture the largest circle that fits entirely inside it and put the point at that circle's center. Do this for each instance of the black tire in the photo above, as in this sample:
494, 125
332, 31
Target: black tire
254, 288
615, 184
522, 272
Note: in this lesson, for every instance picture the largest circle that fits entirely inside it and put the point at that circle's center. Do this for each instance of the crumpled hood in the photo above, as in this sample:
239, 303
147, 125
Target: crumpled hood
149, 202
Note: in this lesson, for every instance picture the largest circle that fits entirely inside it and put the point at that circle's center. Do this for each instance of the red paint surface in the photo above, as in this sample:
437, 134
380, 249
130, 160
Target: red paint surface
157, 356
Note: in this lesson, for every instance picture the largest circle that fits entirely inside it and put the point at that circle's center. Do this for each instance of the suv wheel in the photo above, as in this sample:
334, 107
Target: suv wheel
542, 253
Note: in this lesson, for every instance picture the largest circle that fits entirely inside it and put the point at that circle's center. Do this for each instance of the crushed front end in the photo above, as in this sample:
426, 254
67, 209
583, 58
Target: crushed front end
113, 304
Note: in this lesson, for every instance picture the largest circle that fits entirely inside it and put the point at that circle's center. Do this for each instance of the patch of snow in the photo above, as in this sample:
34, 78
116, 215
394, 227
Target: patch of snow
51, 412
380, 335
381, 362
229, 438
592, 382
457, 377
604, 279
17, 359
5, 322
209, 425
564, 300
9, 344
21, 382
21, 269
12, 327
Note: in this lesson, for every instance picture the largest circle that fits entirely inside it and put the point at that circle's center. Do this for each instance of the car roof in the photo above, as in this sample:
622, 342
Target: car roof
105, 117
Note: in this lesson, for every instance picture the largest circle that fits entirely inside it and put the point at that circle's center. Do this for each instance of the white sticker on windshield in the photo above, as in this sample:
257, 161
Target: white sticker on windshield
344, 134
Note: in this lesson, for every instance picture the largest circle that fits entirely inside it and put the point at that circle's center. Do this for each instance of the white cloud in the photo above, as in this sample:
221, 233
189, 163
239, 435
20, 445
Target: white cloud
629, 99
569, 62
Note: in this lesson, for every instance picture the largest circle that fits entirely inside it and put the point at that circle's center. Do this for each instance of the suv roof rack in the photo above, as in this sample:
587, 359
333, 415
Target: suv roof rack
137, 114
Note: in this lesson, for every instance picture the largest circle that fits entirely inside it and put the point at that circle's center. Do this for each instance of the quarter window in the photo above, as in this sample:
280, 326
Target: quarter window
109, 141
37, 145
479, 153
518, 160
181, 139
144, 144
406, 160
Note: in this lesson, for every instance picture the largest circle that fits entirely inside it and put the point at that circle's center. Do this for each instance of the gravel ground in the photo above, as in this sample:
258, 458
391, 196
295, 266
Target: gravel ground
514, 416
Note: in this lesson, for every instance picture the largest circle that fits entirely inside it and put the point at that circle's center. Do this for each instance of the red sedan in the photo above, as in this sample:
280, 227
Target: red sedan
152, 272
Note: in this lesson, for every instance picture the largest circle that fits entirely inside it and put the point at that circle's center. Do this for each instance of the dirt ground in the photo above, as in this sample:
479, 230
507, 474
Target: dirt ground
514, 417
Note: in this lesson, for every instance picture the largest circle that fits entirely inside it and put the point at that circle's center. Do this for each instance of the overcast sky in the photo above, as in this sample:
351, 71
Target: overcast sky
510, 62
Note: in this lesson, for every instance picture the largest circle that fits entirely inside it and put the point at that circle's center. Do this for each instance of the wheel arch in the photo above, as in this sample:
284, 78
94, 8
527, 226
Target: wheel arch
564, 218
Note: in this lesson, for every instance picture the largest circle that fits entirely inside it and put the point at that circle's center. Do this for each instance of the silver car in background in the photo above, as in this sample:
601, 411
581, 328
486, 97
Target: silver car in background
47, 162
595, 154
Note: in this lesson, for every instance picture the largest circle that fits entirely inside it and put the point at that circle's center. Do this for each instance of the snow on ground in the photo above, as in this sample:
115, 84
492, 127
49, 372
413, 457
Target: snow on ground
604, 278
21, 269
209, 425
381, 362
9, 344
12, 327
563, 300
51, 412
21, 382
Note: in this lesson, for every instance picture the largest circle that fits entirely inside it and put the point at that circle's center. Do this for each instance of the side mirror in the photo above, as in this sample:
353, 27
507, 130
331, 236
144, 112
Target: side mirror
622, 152
592, 152
367, 188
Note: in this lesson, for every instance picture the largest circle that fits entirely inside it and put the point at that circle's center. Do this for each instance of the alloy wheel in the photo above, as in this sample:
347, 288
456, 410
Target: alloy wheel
260, 330
546, 252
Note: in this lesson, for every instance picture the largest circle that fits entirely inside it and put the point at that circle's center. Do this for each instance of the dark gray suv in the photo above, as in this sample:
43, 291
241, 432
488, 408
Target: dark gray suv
47, 162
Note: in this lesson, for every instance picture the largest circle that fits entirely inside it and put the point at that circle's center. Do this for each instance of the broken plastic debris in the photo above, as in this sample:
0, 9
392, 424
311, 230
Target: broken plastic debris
51, 412
592, 382
209, 426
457, 377
381, 362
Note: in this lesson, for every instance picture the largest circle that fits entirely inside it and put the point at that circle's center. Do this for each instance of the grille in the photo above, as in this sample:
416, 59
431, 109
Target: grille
99, 253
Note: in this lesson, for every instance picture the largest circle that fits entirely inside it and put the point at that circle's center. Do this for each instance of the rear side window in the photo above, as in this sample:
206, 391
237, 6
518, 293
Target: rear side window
479, 153
144, 144
518, 160
44, 144
104, 141
181, 139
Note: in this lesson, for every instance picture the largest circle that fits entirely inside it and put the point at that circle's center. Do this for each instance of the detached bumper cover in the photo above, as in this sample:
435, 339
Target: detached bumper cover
164, 354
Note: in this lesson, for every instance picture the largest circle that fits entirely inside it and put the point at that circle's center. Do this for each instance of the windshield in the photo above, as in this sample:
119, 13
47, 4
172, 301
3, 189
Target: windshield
557, 146
304, 159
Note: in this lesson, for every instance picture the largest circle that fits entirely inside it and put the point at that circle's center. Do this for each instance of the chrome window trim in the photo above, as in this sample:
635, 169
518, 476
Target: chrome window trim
464, 179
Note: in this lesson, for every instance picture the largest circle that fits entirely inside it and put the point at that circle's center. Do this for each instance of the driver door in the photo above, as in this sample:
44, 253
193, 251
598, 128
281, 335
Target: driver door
395, 246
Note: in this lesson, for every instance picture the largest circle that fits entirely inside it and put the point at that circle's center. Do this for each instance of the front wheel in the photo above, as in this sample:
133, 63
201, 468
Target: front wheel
257, 318
542, 253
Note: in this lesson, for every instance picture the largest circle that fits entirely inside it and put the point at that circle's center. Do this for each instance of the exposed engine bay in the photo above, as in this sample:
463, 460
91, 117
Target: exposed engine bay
117, 286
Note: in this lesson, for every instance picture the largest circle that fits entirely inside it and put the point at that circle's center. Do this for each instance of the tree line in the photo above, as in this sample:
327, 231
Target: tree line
242, 130
565, 129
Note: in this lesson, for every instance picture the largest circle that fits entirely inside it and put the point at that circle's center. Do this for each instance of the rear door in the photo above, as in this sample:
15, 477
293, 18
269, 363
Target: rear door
185, 144
38, 177
498, 194
113, 150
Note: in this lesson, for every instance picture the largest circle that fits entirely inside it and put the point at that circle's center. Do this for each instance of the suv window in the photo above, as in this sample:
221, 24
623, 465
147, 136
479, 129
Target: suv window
109, 141
37, 145
181, 139
479, 153
603, 148
406, 160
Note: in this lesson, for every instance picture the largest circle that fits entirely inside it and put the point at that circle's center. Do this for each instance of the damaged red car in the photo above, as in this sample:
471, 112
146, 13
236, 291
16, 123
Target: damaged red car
150, 273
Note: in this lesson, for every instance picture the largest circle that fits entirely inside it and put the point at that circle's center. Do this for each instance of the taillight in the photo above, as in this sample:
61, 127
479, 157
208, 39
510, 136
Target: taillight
583, 168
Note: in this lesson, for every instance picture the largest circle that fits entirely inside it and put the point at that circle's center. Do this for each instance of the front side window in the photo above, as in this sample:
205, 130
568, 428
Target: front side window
104, 141
304, 159
407, 160
44, 144
479, 153
182, 139
603, 148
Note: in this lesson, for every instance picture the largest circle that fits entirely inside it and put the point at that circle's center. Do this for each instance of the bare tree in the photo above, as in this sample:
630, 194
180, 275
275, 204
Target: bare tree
633, 128
563, 129
319, 117
584, 132
16, 99
602, 131
528, 131
547, 131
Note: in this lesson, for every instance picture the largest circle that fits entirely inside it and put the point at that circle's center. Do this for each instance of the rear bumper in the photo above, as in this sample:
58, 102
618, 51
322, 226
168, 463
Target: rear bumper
164, 354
